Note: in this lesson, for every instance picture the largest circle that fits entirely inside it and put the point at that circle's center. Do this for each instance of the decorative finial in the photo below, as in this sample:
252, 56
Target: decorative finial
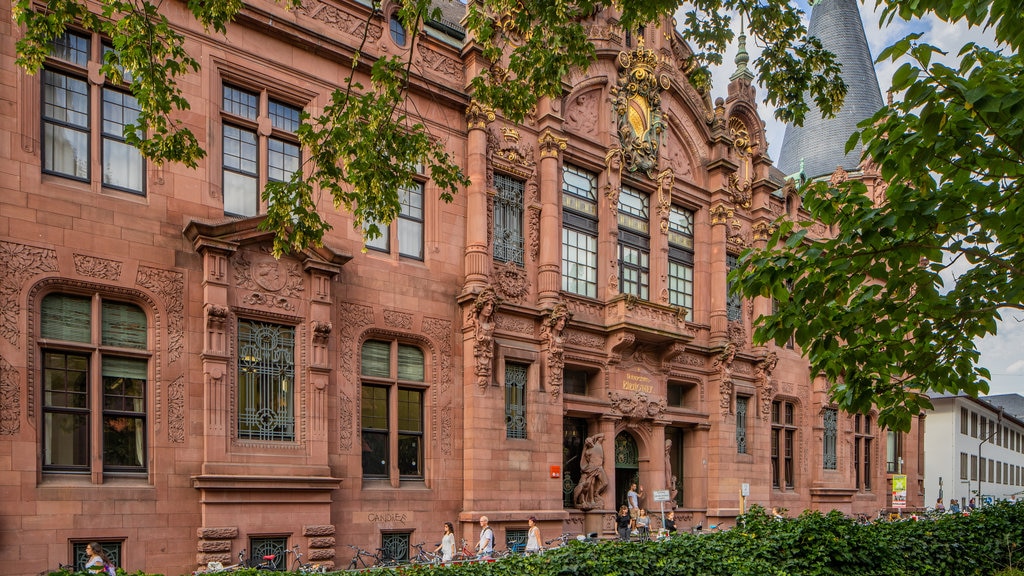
742, 58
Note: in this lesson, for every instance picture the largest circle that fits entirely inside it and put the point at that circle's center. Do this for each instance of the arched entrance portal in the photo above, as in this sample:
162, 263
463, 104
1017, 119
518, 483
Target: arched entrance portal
627, 466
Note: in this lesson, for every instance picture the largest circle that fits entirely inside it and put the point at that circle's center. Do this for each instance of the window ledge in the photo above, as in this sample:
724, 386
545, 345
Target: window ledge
80, 487
383, 484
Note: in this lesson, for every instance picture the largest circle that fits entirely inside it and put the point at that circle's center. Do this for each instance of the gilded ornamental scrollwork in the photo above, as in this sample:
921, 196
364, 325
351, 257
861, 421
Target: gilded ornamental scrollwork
478, 116
637, 104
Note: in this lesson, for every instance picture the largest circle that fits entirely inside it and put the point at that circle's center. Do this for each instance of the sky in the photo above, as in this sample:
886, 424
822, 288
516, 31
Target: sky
1002, 354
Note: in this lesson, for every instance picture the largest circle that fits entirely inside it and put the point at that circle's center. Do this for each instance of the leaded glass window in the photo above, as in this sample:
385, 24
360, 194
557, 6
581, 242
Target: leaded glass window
830, 418
741, 424
266, 381
680, 259
508, 219
733, 302
515, 400
783, 445
395, 546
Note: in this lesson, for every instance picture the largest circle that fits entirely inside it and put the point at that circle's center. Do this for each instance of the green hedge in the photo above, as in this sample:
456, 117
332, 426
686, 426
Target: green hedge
984, 543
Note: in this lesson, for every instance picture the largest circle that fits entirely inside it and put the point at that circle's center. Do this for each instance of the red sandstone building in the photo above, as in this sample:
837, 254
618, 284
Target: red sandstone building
562, 328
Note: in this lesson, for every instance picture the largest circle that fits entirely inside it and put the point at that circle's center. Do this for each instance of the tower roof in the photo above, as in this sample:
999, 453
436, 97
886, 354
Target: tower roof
820, 143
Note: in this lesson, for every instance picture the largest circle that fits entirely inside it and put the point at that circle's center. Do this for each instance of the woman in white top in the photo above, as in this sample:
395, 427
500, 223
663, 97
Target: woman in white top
533, 537
98, 561
447, 546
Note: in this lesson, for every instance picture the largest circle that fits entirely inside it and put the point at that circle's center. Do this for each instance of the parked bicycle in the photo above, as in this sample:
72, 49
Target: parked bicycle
558, 541
61, 567
423, 556
364, 559
304, 567
464, 553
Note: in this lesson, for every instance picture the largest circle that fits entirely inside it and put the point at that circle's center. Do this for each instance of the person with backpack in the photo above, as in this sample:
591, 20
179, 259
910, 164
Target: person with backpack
485, 548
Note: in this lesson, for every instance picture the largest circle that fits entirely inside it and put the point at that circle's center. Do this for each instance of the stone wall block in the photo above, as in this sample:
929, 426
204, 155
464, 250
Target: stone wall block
318, 530
203, 559
321, 554
217, 533
322, 542
215, 546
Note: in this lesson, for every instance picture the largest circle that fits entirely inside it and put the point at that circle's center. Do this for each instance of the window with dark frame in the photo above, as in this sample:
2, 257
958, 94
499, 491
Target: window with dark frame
741, 423
634, 243
893, 452
262, 546
680, 259
733, 302
243, 179
396, 29
579, 231
508, 219
863, 439
830, 425
395, 545
392, 409
112, 548
69, 132
575, 382
515, 399
89, 384
783, 445
409, 225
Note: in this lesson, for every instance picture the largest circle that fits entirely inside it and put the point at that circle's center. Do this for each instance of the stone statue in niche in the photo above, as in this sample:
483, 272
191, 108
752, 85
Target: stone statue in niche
484, 309
589, 493
553, 332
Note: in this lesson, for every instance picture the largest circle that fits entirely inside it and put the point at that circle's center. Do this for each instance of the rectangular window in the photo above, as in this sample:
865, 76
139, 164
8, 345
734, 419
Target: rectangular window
680, 259
733, 302
515, 400
242, 144
894, 452
741, 424
515, 539
508, 219
262, 546
579, 231
862, 444
974, 467
963, 421
410, 222
963, 466
974, 424
89, 385
392, 420
395, 546
634, 243
266, 381
575, 382
112, 548
783, 442
67, 123
830, 421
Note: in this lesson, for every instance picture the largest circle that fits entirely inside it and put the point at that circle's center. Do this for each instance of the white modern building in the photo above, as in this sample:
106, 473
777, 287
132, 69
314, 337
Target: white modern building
973, 446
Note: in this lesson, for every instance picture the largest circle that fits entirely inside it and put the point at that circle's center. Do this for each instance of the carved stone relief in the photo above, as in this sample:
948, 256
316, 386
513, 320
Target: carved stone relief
396, 319
18, 263
10, 399
581, 115
636, 406
724, 365
353, 317
511, 281
448, 67
97, 267
265, 281
340, 20
440, 330
176, 411
170, 286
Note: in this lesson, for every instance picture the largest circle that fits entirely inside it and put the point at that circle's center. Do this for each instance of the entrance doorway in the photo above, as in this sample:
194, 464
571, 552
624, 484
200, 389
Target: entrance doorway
627, 466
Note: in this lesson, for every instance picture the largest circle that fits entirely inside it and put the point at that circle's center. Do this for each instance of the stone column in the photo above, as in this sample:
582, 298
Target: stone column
719, 216
549, 278
477, 258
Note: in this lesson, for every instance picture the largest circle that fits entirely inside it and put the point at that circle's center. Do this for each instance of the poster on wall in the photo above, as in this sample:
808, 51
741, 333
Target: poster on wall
899, 491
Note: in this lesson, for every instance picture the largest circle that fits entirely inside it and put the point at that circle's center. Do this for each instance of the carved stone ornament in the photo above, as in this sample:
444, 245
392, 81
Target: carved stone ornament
553, 335
511, 281
551, 145
478, 116
637, 104
723, 364
636, 406
482, 318
765, 385
763, 229
838, 177
18, 263
720, 214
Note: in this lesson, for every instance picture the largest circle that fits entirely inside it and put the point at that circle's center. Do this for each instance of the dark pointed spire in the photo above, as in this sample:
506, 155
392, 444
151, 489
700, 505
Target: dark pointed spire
821, 143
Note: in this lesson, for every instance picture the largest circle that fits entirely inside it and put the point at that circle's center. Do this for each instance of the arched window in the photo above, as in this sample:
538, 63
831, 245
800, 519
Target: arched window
95, 378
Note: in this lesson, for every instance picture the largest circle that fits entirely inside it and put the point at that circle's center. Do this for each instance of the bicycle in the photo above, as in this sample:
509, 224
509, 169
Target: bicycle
464, 553
424, 556
304, 567
61, 567
558, 541
380, 559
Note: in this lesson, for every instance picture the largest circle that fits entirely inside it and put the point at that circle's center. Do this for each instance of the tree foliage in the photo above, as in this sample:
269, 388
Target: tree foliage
890, 308
367, 144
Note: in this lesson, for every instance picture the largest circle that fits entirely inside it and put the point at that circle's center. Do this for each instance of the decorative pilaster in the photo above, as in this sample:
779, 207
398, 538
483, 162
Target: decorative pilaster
549, 279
